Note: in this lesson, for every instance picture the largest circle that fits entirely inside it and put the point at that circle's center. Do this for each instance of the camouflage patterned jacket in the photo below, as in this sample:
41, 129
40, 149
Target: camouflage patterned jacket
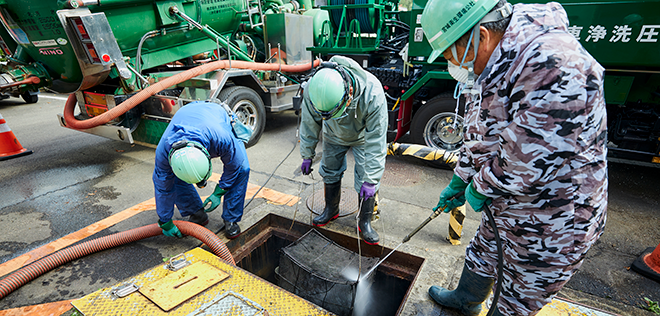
536, 141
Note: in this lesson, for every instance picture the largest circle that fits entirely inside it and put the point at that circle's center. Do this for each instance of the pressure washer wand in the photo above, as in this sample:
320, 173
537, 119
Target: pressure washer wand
407, 238
431, 217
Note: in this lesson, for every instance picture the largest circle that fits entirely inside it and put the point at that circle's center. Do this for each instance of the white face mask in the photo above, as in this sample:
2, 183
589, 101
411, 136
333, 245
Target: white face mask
459, 73
465, 75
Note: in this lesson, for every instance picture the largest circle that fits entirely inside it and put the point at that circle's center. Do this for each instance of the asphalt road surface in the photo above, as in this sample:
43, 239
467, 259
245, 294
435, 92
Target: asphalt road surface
74, 180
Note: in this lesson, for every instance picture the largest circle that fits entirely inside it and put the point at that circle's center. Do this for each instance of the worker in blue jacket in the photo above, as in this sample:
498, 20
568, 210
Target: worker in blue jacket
198, 132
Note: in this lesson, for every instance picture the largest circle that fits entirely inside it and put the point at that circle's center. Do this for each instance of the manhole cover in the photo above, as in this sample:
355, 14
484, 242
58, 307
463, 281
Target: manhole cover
400, 174
347, 205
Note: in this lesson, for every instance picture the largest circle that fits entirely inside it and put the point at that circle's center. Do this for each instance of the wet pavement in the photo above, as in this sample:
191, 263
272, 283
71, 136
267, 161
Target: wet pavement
74, 180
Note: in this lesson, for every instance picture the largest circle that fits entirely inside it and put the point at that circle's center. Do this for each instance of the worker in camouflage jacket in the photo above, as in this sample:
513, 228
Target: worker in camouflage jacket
534, 147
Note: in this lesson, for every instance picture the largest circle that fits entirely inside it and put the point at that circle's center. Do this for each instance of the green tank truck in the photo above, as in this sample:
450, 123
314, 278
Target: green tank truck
622, 35
105, 52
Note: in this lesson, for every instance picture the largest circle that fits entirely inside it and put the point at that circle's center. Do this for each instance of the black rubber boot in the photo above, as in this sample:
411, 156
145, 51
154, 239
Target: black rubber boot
331, 211
232, 230
472, 290
200, 218
368, 234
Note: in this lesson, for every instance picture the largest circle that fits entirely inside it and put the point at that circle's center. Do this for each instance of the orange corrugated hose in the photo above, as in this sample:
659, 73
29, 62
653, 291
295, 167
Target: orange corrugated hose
115, 112
43, 265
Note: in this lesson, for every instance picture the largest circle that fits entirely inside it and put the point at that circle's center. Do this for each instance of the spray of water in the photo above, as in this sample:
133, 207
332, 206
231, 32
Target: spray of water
363, 298
363, 295
350, 273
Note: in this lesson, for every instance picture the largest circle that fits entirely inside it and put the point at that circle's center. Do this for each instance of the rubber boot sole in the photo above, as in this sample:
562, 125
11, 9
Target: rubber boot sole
234, 237
326, 223
365, 241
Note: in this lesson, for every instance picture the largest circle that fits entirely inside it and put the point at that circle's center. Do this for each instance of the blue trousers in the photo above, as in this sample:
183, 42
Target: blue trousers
234, 200
186, 198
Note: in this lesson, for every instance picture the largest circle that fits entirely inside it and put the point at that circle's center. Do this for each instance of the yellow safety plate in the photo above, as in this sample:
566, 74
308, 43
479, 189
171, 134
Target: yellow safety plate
177, 287
561, 307
242, 293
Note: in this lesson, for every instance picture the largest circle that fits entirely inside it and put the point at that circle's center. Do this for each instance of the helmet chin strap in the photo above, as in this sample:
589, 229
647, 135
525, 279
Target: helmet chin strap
468, 64
494, 16
469, 84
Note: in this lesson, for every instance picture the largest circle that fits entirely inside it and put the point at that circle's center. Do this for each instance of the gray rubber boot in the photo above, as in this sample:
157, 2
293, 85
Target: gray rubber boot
332, 193
472, 290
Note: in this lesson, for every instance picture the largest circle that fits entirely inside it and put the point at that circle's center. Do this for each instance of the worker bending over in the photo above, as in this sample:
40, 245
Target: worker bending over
349, 104
534, 147
198, 132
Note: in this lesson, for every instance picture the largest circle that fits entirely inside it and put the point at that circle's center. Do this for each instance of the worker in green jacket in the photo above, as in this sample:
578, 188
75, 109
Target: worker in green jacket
349, 104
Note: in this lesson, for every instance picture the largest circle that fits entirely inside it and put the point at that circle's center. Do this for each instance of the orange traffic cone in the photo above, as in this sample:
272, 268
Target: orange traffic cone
9, 145
648, 264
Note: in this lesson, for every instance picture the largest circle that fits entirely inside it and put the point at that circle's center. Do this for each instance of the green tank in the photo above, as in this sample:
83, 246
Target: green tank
622, 35
56, 33
619, 34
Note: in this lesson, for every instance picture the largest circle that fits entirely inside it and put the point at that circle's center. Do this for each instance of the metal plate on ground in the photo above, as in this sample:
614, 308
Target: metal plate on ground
347, 205
232, 303
558, 307
251, 290
178, 287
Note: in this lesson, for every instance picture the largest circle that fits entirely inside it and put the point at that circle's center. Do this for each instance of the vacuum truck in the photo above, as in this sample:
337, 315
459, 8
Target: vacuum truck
141, 60
129, 65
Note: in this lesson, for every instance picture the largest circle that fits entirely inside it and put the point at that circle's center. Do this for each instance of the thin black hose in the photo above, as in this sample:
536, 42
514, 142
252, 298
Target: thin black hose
500, 262
271, 175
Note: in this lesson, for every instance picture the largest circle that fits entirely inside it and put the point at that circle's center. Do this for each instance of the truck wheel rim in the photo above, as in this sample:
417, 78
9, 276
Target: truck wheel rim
441, 132
246, 112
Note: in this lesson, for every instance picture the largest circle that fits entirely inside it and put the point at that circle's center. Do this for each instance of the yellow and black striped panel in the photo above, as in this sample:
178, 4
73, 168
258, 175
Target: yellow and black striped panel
456, 218
423, 152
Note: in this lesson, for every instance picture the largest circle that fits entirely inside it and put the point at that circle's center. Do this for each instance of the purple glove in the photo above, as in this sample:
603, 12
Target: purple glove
306, 166
367, 190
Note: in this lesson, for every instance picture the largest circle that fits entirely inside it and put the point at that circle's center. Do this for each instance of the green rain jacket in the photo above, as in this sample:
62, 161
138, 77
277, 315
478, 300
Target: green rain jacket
363, 123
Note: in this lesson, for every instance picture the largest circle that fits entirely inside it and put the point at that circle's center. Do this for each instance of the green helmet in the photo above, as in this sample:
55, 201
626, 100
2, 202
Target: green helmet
190, 162
330, 92
445, 21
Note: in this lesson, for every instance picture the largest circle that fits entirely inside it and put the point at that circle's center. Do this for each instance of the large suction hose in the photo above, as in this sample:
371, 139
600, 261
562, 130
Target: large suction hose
115, 112
43, 265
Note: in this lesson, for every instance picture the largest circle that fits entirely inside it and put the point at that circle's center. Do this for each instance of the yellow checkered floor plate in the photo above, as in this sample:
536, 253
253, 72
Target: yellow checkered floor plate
561, 307
240, 294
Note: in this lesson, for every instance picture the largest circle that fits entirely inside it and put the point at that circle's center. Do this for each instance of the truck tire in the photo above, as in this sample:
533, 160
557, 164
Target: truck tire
433, 125
30, 97
249, 108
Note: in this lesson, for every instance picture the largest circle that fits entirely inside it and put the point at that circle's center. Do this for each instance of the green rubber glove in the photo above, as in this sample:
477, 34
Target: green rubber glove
169, 229
476, 199
214, 199
455, 186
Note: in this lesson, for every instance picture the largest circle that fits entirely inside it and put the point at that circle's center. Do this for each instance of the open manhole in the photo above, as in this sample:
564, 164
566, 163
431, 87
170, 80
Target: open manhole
262, 248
